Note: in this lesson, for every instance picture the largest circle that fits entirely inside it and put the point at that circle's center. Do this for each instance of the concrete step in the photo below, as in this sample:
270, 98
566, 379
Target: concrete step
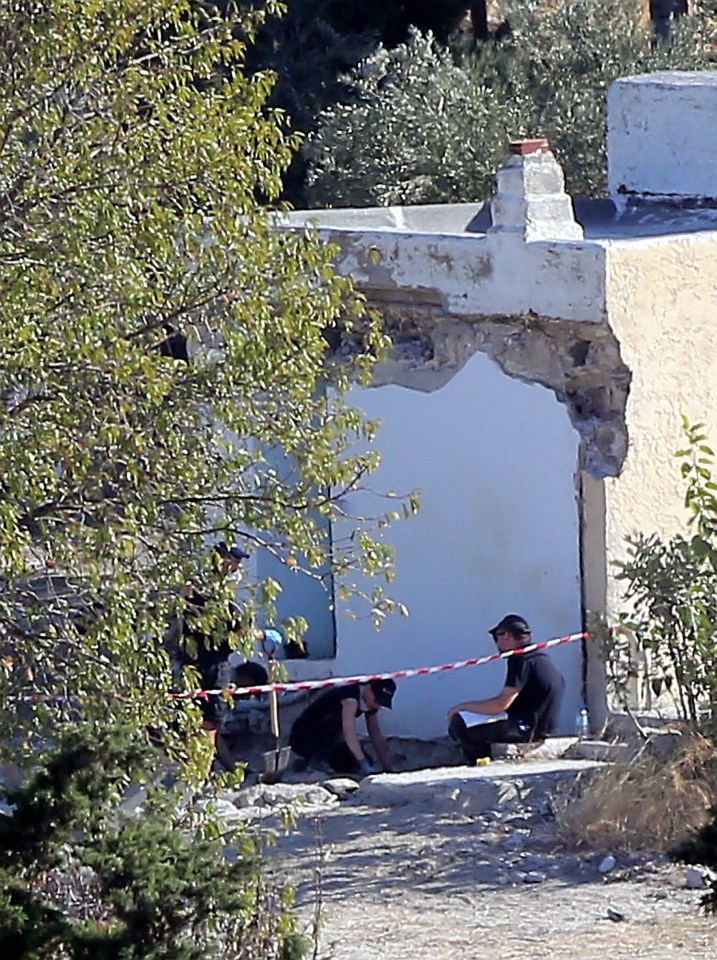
604, 751
471, 789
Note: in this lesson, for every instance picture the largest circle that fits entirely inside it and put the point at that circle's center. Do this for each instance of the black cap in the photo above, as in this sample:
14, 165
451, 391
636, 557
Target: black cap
513, 624
383, 691
234, 552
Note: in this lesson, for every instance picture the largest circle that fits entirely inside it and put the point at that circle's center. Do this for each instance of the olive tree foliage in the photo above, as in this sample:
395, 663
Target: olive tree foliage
425, 126
421, 128
315, 42
132, 152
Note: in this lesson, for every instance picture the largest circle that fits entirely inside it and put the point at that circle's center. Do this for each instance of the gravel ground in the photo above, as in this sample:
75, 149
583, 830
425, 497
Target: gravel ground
428, 867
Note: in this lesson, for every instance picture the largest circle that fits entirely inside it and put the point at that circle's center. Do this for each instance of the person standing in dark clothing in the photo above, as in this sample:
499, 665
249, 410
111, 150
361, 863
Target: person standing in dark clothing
209, 655
528, 706
326, 731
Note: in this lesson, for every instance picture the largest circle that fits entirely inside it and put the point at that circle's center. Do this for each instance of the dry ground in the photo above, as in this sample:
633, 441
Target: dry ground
426, 878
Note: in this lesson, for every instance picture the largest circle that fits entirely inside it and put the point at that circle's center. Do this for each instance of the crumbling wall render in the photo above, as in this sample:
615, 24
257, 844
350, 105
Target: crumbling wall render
579, 361
530, 292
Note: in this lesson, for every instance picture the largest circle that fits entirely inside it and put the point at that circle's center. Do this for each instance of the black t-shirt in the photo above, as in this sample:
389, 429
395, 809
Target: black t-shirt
541, 687
200, 652
318, 732
325, 713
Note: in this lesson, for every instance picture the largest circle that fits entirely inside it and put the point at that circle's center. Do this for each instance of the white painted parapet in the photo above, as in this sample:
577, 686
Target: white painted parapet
533, 259
474, 275
662, 135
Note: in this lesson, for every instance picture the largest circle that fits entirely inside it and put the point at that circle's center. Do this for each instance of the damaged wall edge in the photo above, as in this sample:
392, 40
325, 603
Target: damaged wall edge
581, 363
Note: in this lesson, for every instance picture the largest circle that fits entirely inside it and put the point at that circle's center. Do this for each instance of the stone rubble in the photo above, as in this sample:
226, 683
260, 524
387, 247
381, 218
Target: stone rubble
697, 878
462, 862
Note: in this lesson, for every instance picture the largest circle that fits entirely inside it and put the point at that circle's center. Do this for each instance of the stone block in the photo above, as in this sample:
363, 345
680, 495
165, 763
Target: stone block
341, 787
531, 202
469, 796
662, 135
603, 751
551, 749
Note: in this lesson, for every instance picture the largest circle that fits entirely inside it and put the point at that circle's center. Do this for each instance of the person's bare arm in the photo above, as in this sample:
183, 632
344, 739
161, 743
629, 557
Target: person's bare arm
349, 709
492, 705
378, 740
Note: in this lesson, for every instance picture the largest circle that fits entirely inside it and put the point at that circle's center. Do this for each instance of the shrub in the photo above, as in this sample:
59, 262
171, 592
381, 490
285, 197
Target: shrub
651, 803
424, 127
672, 589
81, 880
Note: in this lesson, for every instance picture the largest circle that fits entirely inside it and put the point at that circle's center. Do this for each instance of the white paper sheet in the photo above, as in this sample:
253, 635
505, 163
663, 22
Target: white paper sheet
474, 719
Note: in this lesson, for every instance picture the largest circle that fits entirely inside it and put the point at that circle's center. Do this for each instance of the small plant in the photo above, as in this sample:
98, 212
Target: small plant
672, 589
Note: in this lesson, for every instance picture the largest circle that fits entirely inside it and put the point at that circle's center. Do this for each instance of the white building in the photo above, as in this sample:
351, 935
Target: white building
545, 353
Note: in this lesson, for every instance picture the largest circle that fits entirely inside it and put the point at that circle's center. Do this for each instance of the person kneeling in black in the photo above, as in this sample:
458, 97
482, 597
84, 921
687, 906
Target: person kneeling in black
526, 709
326, 731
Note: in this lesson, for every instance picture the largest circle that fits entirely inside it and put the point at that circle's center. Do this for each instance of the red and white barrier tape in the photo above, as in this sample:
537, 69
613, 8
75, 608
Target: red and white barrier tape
339, 681
366, 677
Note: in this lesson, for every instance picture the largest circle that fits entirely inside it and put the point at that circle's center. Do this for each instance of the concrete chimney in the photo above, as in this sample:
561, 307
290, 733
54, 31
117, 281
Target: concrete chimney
531, 202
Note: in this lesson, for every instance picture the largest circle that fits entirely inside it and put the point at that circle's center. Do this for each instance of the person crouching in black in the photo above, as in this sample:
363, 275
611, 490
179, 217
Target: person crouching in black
325, 733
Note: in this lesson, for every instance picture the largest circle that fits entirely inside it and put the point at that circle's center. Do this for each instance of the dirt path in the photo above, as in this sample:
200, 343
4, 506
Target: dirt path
423, 879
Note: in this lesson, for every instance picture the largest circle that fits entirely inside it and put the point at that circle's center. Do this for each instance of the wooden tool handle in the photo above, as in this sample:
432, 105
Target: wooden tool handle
273, 705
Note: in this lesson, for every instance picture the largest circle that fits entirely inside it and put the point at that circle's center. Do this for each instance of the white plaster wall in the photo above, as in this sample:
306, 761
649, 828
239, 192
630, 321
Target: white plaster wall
478, 274
497, 533
662, 127
662, 297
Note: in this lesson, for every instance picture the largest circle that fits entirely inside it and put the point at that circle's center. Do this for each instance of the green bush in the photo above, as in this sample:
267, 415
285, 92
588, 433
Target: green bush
130, 220
671, 587
420, 129
80, 879
424, 126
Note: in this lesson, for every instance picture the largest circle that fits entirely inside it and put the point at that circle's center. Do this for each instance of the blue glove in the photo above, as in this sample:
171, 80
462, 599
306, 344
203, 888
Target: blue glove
365, 768
272, 642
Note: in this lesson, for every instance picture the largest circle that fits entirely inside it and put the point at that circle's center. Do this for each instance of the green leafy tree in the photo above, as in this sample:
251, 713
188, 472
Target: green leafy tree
420, 128
315, 42
133, 152
423, 126
166, 381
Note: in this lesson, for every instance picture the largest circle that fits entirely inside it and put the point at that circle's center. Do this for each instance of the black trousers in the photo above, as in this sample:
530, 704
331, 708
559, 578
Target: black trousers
324, 743
475, 741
